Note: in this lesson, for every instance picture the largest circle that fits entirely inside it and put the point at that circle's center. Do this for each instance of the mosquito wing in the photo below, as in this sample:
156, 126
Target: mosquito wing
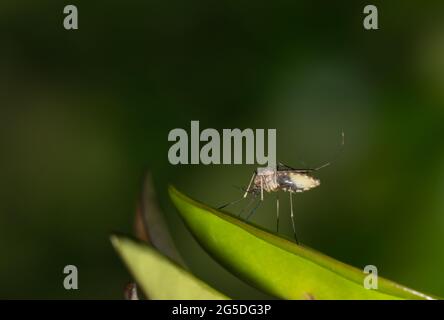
284, 167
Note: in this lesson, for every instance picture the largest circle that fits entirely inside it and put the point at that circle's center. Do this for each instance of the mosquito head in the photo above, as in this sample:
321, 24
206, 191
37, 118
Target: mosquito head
266, 171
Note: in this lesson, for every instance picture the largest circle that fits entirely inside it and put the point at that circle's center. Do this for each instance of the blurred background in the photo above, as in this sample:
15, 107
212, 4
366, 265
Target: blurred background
84, 114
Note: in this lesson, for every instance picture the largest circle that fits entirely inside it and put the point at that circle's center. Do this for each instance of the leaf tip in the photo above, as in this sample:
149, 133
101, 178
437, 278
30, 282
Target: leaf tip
115, 241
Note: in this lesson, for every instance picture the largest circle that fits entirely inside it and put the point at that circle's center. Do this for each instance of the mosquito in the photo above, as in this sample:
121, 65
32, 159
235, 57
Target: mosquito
281, 178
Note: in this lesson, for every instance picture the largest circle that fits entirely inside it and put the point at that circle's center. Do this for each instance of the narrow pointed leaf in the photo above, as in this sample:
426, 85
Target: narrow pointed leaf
158, 276
151, 225
276, 265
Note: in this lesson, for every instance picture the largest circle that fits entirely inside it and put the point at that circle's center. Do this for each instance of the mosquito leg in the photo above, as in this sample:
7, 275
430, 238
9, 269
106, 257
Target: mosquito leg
254, 210
249, 185
337, 155
247, 206
292, 217
245, 195
230, 203
262, 188
259, 202
277, 213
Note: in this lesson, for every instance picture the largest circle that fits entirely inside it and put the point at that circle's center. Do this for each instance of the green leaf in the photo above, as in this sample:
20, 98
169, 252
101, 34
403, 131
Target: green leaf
276, 265
152, 226
158, 276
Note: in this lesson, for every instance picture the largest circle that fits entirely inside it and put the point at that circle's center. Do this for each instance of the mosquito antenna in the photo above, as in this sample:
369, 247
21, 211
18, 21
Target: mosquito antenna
282, 166
336, 156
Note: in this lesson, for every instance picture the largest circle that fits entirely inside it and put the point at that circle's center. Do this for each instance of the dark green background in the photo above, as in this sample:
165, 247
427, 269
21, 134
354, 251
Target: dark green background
85, 113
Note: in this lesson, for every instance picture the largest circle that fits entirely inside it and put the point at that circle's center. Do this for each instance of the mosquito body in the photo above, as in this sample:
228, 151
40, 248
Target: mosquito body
281, 178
